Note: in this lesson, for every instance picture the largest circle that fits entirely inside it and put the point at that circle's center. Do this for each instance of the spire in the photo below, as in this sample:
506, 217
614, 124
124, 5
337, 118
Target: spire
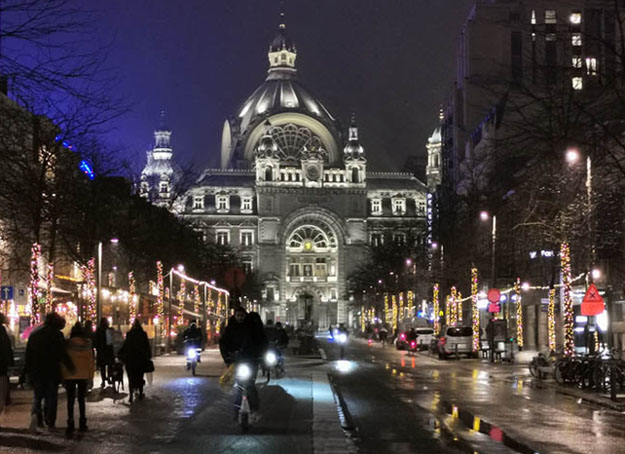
162, 135
353, 128
353, 149
162, 124
282, 52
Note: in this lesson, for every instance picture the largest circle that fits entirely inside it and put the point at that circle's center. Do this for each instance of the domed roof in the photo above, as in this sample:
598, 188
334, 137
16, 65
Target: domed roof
281, 92
282, 41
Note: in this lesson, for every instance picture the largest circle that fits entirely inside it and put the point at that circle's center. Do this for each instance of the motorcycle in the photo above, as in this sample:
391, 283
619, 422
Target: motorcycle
193, 357
273, 362
412, 347
243, 379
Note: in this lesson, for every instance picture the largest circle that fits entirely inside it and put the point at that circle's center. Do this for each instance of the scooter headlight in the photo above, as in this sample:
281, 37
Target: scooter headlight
243, 372
271, 359
191, 353
342, 338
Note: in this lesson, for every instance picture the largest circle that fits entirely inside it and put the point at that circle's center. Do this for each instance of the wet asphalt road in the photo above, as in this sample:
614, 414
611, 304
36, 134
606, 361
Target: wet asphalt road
180, 413
418, 404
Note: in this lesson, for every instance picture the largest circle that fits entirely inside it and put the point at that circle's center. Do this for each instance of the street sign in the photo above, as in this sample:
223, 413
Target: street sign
592, 304
6, 292
494, 295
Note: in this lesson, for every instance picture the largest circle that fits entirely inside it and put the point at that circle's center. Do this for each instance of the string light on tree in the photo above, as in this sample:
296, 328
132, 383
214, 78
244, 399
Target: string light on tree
410, 298
447, 310
91, 289
160, 310
436, 309
34, 283
387, 315
401, 306
565, 263
551, 320
196, 299
132, 290
182, 296
519, 312
453, 318
475, 312
394, 302
49, 282
459, 307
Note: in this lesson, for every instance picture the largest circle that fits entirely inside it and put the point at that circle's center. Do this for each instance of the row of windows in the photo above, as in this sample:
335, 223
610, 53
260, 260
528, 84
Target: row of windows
398, 206
551, 17
400, 238
222, 203
246, 237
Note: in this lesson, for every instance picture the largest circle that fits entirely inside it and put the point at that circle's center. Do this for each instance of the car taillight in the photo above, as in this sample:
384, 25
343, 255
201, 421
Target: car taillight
413, 344
402, 336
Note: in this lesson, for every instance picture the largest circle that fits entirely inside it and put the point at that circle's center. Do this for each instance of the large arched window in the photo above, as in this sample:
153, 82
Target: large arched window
312, 254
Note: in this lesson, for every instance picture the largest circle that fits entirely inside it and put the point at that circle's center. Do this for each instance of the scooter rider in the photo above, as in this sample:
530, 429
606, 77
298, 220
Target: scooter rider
192, 335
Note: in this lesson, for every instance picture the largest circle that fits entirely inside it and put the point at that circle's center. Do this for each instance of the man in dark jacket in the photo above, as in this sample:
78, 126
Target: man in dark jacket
45, 351
6, 361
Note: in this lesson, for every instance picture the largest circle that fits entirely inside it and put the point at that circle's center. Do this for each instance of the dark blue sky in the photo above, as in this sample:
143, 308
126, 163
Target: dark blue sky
390, 61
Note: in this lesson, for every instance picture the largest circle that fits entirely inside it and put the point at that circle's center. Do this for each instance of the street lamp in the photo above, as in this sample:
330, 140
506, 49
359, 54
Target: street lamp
485, 216
113, 241
572, 156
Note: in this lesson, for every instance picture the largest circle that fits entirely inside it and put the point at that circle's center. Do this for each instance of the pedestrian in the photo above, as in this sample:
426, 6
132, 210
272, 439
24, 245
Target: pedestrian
45, 351
136, 356
104, 349
80, 350
6, 361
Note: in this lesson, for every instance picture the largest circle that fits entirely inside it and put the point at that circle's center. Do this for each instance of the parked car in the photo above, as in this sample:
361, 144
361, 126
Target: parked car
454, 340
424, 337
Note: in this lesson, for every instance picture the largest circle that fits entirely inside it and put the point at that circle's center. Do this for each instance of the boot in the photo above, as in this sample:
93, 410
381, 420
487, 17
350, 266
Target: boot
70, 427
83, 425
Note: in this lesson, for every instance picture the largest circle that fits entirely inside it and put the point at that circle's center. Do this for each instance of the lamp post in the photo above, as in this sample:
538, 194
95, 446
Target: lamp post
98, 297
573, 156
485, 216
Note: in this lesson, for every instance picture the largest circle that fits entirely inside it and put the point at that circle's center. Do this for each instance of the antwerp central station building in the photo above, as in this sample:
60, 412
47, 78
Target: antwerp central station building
293, 195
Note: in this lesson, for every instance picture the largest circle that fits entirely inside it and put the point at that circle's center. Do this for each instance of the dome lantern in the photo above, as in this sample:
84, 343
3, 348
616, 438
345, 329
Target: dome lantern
282, 52
353, 149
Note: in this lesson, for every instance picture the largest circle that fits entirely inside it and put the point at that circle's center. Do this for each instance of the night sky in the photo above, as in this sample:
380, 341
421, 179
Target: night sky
389, 61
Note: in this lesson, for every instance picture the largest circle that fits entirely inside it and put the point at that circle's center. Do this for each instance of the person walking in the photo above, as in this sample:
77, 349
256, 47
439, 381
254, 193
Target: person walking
135, 354
45, 351
6, 361
80, 351
104, 349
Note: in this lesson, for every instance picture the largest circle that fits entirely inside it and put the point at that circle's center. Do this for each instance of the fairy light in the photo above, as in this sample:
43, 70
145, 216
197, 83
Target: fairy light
218, 325
49, 281
196, 299
410, 299
160, 310
387, 316
459, 307
182, 296
565, 262
89, 277
394, 303
453, 318
363, 317
447, 310
551, 319
132, 289
34, 283
437, 319
519, 313
401, 306
475, 312
597, 345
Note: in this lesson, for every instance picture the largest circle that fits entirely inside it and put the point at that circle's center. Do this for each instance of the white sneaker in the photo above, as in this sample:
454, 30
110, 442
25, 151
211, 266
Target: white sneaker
32, 427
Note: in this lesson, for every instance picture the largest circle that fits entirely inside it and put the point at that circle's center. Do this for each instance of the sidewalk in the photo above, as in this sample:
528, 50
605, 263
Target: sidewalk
184, 413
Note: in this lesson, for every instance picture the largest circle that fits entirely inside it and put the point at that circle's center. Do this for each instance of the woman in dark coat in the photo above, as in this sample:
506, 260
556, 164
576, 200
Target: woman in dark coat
104, 349
135, 354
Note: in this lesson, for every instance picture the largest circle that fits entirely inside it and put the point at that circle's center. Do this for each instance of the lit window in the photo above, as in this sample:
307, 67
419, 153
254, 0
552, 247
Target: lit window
223, 203
533, 17
377, 239
247, 238
576, 39
246, 204
376, 206
399, 206
550, 16
576, 18
223, 237
591, 66
198, 202
247, 266
578, 83
577, 62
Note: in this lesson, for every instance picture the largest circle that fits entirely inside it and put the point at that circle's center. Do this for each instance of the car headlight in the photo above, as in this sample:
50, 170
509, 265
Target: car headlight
192, 353
243, 372
271, 359
342, 338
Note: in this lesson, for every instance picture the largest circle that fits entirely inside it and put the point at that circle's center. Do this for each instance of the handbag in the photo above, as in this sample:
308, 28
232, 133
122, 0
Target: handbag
149, 366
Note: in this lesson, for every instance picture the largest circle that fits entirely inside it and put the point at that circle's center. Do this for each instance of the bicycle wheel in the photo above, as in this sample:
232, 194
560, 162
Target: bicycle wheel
559, 371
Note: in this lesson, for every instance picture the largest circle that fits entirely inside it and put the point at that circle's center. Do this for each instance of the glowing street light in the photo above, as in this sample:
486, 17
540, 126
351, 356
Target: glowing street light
484, 216
572, 155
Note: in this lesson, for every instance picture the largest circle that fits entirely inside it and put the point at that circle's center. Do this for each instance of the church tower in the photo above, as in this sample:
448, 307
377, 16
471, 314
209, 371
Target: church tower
433, 170
158, 176
354, 156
